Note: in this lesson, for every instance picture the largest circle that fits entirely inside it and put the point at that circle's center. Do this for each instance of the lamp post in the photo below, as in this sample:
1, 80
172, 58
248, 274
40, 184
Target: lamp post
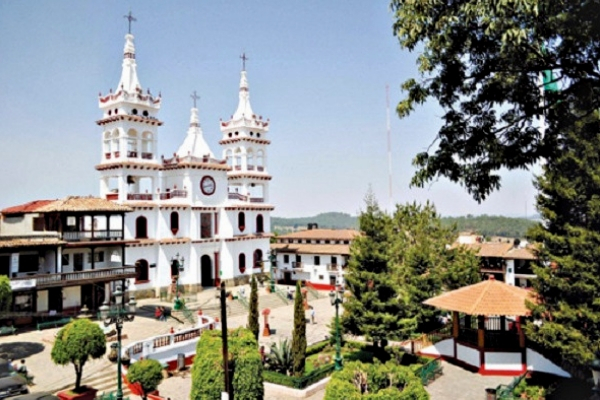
177, 264
120, 313
595, 367
273, 259
336, 299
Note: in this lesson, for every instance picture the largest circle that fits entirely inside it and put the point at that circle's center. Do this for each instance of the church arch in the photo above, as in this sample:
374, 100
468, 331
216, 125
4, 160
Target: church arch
242, 262
229, 157
141, 228
260, 224
250, 159
241, 221
142, 271
260, 160
206, 271
258, 258
174, 219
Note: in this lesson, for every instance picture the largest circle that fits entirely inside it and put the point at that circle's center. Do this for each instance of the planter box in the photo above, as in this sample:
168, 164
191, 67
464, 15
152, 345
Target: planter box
86, 393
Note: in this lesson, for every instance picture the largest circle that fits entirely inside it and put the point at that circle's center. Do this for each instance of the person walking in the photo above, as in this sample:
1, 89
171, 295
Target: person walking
312, 315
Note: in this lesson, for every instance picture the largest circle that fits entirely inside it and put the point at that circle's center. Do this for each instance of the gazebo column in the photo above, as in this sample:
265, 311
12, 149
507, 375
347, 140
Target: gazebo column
455, 324
481, 339
503, 323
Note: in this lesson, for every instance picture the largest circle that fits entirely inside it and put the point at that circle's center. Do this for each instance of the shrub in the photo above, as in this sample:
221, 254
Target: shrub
253, 309
246, 370
316, 348
147, 373
76, 343
299, 334
279, 358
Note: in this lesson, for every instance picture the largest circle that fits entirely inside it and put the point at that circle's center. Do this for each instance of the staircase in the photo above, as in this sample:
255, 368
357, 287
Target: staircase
105, 381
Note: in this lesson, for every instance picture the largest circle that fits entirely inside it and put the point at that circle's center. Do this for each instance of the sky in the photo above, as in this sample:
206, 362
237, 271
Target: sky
318, 70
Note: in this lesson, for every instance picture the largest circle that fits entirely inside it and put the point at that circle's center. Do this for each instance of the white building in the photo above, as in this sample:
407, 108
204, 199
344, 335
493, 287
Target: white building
210, 214
318, 256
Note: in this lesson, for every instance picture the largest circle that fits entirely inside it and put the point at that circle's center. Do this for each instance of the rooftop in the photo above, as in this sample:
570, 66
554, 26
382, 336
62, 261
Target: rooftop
332, 234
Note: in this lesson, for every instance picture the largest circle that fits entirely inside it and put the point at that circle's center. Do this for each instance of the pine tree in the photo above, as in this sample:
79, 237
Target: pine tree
253, 309
299, 335
373, 308
569, 260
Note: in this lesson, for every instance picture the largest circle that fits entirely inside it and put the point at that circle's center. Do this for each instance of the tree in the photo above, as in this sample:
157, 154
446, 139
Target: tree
76, 343
481, 61
253, 309
373, 308
147, 373
246, 369
5, 294
569, 259
299, 334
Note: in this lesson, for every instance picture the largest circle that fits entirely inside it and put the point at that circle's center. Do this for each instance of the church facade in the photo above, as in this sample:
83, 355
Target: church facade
198, 218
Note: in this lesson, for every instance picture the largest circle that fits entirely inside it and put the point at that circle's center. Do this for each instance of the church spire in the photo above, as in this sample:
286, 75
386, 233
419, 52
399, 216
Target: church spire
244, 110
129, 80
194, 144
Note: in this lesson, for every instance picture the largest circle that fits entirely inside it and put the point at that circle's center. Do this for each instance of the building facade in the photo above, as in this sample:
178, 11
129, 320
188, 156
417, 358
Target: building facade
197, 219
317, 256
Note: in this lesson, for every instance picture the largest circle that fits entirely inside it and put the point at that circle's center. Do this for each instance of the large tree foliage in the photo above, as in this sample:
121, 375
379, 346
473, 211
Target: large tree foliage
147, 374
246, 369
5, 294
569, 270
481, 62
299, 334
373, 309
396, 264
76, 343
253, 308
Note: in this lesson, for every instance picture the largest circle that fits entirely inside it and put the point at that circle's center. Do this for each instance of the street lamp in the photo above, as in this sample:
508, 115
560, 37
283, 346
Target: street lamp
595, 367
120, 313
177, 264
273, 259
336, 299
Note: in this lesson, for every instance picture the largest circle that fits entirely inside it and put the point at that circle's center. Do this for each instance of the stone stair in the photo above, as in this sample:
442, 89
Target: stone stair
105, 381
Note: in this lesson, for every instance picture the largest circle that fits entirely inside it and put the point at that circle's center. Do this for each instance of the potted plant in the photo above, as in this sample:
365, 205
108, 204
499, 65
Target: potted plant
76, 343
146, 375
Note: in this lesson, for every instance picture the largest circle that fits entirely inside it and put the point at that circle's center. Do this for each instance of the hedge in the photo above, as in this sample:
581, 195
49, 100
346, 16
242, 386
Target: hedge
299, 382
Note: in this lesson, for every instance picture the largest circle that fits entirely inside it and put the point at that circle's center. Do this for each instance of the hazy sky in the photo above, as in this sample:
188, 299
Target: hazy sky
317, 69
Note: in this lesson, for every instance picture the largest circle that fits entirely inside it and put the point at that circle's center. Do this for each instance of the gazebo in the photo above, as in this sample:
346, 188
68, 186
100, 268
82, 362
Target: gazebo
486, 330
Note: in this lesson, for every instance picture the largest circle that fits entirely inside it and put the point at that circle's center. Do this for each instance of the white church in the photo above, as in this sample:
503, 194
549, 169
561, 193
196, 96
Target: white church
208, 212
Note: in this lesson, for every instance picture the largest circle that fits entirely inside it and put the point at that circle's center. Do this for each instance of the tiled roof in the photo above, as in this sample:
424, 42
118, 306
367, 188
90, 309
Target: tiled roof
342, 249
489, 297
32, 206
500, 250
75, 203
30, 242
333, 234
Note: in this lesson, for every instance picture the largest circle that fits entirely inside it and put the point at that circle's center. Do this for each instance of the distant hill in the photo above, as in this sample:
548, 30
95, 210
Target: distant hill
486, 225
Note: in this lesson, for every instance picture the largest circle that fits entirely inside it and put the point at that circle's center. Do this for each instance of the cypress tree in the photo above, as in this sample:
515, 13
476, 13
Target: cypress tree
299, 335
253, 309
568, 269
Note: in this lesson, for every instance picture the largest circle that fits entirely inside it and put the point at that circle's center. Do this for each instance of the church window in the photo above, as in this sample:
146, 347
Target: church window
141, 228
251, 133
206, 226
141, 269
145, 113
109, 112
259, 224
116, 110
174, 222
237, 133
230, 134
242, 262
257, 134
241, 221
134, 111
258, 256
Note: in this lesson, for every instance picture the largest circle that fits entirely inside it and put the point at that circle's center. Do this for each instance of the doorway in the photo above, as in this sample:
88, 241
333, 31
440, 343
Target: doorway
206, 269
55, 300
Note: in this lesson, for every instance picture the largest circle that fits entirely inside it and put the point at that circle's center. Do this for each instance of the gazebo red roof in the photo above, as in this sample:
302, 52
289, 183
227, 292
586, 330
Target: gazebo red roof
490, 297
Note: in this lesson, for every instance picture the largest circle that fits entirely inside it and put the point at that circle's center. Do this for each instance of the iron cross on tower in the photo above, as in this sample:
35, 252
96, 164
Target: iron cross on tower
244, 59
130, 18
194, 97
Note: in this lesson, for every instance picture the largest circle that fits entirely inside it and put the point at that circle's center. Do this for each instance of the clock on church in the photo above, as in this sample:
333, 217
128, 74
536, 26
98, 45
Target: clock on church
207, 185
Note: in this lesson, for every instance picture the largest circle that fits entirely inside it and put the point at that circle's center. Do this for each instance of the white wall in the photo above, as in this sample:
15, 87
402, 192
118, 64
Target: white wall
442, 348
468, 355
503, 361
71, 296
42, 301
537, 362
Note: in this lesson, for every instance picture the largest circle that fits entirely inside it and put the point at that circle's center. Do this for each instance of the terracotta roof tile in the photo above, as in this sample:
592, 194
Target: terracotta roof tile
489, 297
333, 234
342, 249
30, 242
30, 207
75, 203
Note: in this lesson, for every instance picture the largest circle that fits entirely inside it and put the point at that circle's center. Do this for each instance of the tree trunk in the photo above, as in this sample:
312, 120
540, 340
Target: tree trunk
78, 373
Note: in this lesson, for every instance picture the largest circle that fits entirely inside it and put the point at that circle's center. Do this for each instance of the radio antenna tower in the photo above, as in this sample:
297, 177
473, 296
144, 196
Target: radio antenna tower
389, 147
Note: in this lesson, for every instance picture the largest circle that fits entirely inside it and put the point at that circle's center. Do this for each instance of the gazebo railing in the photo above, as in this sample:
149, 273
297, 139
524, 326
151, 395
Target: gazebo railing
468, 335
501, 340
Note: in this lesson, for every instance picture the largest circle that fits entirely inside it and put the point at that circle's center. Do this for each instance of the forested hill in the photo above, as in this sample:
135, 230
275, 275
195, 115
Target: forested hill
487, 225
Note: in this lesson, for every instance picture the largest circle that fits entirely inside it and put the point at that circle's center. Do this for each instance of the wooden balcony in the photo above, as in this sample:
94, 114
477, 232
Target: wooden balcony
79, 236
333, 268
139, 196
81, 277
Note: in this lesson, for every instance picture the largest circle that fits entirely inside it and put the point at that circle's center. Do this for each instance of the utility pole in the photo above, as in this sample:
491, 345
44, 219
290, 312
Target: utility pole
226, 395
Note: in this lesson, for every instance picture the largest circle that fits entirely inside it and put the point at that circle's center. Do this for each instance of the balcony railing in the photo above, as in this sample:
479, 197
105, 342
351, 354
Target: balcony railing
95, 235
298, 265
147, 156
107, 156
250, 167
173, 194
333, 268
139, 196
260, 168
112, 196
117, 154
132, 154
74, 278
237, 196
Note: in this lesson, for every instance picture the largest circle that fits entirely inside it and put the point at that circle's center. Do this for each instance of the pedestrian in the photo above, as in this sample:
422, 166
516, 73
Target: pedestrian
22, 368
312, 315
10, 365
163, 314
158, 313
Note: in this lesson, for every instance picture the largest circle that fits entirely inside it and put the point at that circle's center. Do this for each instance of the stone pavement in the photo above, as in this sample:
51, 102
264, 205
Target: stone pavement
459, 384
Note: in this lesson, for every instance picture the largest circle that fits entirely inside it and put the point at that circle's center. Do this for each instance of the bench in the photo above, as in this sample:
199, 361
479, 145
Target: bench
506, 391
8, 330
53, 324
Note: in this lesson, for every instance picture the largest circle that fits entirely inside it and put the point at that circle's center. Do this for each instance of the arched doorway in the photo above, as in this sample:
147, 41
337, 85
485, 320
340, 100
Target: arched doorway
206, 272
141, 228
